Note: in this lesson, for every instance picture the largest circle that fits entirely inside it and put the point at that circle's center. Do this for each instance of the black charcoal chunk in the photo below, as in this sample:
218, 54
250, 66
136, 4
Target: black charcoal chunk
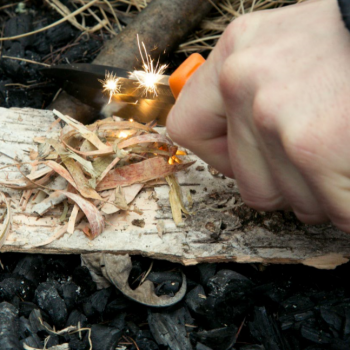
168, 327
265, 329
206, 271
53, 340
217, 339
9, 327
95, 305
76, 318
49, 300
120, 303
252, 347
228, 281
16, 286
26, 307
81, 276
196, 299
118, 321
70, 293
34, 341
310, 330
200, 346
167, 288
31, 267
104, 337
19, 25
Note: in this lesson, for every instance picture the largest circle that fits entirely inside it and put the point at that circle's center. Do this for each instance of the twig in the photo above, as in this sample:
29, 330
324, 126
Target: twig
25, 60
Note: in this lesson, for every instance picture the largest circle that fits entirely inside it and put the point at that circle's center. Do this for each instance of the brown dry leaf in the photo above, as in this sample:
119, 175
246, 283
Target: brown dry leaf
61, 171
93, 215
5, 227
146, 170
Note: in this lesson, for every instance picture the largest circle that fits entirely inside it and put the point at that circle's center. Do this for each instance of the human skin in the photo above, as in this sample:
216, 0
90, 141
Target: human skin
271, 108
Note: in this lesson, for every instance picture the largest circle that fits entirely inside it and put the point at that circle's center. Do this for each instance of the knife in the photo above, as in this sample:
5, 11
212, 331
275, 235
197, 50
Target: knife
83, 81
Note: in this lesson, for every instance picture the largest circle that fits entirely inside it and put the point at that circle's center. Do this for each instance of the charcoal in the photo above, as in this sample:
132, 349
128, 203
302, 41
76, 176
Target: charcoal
26, 307
37, 321
146, 344
195, 299
310, 330
332, 318
200, 346
81, 276
95, 304
120, 303
167, 288
168, 327
9, 327
49, 300
19, 25
206, 271
33, 341
70, 293
217, 339
86, 50
118, 321
26, 329
264, 328
53, 340
31, 267
104, 337
75, 318
252, 347
75, 343
227, 281
16, 286
55, 36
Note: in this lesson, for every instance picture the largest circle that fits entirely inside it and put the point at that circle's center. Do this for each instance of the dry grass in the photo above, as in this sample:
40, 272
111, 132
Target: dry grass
107, 15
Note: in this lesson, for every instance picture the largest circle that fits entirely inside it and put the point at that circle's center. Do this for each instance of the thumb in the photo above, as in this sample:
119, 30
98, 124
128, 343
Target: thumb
197, 121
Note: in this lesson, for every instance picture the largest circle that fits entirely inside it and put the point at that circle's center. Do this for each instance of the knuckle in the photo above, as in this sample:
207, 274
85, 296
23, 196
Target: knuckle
303, 150
264, 110
263, 202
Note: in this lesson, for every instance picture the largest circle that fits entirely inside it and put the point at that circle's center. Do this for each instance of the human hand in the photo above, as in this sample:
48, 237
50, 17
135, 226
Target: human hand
271, 108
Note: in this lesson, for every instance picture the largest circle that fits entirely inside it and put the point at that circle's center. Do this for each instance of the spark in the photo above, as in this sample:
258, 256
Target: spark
123, 135
111, 83
152, 73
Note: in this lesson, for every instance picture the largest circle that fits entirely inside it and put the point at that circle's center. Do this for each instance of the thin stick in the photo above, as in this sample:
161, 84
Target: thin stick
25, 60
73, 14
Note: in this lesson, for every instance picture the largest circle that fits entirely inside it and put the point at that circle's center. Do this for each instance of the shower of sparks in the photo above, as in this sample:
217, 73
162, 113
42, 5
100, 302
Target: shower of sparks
111, 83
149, 77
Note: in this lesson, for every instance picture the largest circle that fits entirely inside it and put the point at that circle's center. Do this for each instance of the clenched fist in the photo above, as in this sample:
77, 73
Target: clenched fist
271, 108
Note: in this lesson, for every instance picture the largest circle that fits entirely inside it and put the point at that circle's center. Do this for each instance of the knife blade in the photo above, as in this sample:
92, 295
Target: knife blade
83, 81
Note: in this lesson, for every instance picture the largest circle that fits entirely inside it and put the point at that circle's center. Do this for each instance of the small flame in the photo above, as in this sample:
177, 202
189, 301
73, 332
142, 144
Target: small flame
131, 120
151, 74
111, 83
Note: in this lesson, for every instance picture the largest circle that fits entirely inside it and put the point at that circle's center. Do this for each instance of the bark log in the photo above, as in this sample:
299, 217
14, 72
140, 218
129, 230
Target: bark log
221, 228
161, 26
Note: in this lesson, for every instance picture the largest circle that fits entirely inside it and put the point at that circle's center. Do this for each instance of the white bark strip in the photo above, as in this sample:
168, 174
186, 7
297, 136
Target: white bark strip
210, 235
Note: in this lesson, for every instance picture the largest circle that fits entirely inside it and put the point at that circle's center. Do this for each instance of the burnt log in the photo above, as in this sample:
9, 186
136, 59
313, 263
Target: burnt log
161, 26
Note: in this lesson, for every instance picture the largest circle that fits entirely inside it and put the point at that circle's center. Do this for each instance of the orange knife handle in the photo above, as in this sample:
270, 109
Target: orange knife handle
178, 79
